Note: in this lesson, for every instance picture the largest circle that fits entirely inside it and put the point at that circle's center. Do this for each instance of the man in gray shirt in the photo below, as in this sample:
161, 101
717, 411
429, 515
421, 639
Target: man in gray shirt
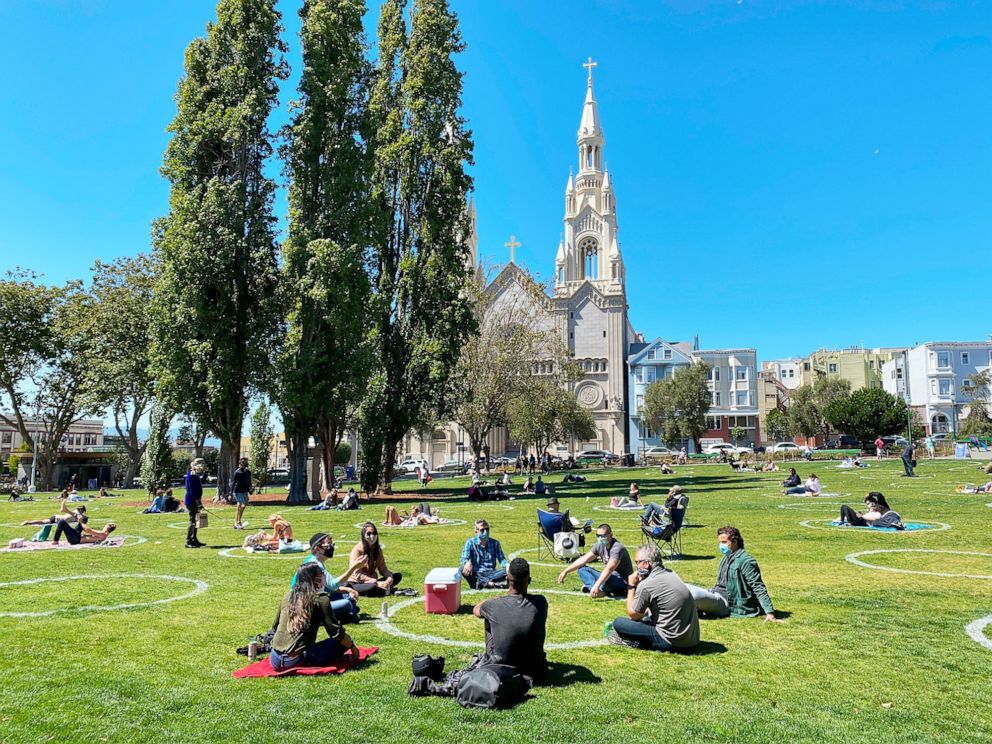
612, 580
661, 614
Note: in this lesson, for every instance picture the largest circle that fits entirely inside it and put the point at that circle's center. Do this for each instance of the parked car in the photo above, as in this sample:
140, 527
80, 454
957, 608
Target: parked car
504, 460
596, 455
895, 441
730, 449
278, 475
453, 466
655, 454
412, 464
844, 441
788, 447
942, 437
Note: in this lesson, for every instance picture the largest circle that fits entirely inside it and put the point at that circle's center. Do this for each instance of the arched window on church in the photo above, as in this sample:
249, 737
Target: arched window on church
589, 250
561, 274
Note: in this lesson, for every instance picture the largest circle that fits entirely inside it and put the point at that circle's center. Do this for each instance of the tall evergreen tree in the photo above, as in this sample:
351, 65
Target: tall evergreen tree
421, 147
323, 364
215, 314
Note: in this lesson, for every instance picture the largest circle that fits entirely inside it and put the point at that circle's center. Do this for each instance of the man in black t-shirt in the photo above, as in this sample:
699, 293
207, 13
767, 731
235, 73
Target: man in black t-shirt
515, 624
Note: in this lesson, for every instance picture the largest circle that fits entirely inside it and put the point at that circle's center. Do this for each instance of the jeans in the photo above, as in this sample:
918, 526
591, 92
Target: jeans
73, 534
613, 586
907, 465
319, 654
797, 489
479, 579
343, 607
642, 631
654, 511
709, 602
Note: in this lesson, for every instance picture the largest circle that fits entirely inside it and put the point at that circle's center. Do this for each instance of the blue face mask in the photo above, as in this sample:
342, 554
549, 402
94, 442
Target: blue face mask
602, 540
483, 535
643, 572
724, 548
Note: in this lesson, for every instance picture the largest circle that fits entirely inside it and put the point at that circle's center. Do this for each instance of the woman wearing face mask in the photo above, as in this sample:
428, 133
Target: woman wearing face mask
344, 601
372, 578
194, 499
740, 590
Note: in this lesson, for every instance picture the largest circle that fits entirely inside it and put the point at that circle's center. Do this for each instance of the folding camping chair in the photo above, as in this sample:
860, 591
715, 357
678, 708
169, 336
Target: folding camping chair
549, 525
669, 535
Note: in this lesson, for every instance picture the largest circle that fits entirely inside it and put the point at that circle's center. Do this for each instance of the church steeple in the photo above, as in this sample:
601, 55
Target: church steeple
590, 137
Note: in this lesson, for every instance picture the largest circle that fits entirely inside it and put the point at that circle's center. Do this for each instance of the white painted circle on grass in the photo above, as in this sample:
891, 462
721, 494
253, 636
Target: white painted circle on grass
801, 505
824, 525
608, 508
482, 505
226, 553
855, 559
198, 588
452, 523
387, 626
976, 630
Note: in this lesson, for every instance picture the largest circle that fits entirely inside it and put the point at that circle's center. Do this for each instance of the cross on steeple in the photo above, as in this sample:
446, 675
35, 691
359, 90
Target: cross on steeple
589, 65
512, 244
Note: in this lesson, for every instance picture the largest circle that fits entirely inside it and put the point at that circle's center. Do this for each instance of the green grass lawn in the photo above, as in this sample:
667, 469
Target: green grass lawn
864, 655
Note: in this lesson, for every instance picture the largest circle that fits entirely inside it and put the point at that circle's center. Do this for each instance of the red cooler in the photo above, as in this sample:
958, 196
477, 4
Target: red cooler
443, 591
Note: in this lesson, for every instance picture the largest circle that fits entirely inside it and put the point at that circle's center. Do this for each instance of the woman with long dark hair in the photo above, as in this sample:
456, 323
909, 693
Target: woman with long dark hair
303, 611
878, 514
372, 578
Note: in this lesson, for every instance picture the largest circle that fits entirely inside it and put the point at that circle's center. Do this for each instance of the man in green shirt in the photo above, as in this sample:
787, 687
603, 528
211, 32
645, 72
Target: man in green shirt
740, 590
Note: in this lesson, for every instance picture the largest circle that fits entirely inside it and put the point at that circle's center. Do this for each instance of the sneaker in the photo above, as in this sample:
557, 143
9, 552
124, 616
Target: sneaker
200, 544
193, 545
585, 589
615, 639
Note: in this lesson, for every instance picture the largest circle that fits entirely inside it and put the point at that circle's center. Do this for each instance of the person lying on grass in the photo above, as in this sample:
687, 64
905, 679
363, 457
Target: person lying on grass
482, 563
372, 577
416, 517
81, 535
740, 590
612, 580
878, 513
344, 601
76, 515
972, 488
303, 611
661, 614
812, 487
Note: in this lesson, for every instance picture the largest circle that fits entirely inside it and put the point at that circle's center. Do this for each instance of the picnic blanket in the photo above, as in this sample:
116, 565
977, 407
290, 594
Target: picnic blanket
440, 520
263, 668
29, 545
909, 527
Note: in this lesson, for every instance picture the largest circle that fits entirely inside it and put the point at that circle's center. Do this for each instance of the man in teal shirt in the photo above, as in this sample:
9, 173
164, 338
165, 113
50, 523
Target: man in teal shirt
344, 601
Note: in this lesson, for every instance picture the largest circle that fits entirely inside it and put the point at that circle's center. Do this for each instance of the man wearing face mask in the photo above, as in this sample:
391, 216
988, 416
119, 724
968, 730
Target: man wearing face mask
483, 563
344, 601
612, 580
661, 615
740, 590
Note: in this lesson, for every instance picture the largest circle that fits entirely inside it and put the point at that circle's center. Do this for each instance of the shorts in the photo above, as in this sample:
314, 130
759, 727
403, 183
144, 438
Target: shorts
241, 498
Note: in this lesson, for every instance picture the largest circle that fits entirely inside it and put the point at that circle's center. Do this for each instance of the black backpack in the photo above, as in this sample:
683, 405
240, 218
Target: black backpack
492, 686
425, 665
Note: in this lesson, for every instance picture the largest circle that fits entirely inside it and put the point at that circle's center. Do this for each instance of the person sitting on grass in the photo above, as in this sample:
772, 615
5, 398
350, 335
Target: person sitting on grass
529, 485
330, 501
516, 624
171, 503
158, 503
666, 469
661, 614
344, 601
612, 579
349, 502
303, 611
16, 495
632, 498
740, 590
372, 577
282, 531
81, 535
878, 514
505, 479
769, 467
482, 563
792, 479
539, 488
811, 487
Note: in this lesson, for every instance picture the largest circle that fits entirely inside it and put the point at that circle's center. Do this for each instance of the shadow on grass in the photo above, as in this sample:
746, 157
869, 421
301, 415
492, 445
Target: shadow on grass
687, 557
705, 648
565, 675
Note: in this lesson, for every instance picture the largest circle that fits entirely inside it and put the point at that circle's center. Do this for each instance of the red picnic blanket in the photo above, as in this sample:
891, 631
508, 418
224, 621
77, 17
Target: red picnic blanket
263, 668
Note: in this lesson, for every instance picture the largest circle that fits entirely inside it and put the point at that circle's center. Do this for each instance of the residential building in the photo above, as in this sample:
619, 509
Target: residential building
733, 388
789, 372
859, 366
931, 378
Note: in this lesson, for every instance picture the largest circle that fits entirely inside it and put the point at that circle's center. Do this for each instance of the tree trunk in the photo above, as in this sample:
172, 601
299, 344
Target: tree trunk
327, 435
299, 444
131, 471
227, 462
388, 463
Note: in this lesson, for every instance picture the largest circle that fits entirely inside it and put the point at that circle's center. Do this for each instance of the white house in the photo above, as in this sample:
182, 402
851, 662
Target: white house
787, 371
931, 377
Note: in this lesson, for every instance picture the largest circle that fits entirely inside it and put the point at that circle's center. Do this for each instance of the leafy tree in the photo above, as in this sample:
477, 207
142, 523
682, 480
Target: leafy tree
777, 427
215, 313
324, 362
13, 462
118, 367
342, 453
827, 390
192, 433
678, 405
260, 446
496, 366
421, 315
545, 411
979, 421
867, 412
157, 464
804, 418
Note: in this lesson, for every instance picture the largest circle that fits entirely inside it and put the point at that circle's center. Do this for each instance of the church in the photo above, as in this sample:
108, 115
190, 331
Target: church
587, 309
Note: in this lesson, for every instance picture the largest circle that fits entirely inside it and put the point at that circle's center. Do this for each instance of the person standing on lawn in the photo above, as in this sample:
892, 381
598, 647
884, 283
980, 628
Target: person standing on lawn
242, 488
908, 463
194, 499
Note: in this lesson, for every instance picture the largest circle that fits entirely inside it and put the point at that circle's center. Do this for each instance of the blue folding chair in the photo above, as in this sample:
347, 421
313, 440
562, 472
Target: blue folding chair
549, 525
668, 535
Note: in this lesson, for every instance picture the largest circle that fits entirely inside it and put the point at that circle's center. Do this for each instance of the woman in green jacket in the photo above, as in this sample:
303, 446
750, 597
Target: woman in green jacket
739, 590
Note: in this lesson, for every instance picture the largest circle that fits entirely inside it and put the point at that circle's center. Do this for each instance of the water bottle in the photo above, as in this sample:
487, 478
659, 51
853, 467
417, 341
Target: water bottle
384, 612
252, 650
607, 627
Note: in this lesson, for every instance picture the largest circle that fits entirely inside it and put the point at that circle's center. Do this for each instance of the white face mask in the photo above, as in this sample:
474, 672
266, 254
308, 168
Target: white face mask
372, 539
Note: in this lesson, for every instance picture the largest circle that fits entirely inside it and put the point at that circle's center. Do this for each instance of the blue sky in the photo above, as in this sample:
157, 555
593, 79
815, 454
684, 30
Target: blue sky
789, 175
